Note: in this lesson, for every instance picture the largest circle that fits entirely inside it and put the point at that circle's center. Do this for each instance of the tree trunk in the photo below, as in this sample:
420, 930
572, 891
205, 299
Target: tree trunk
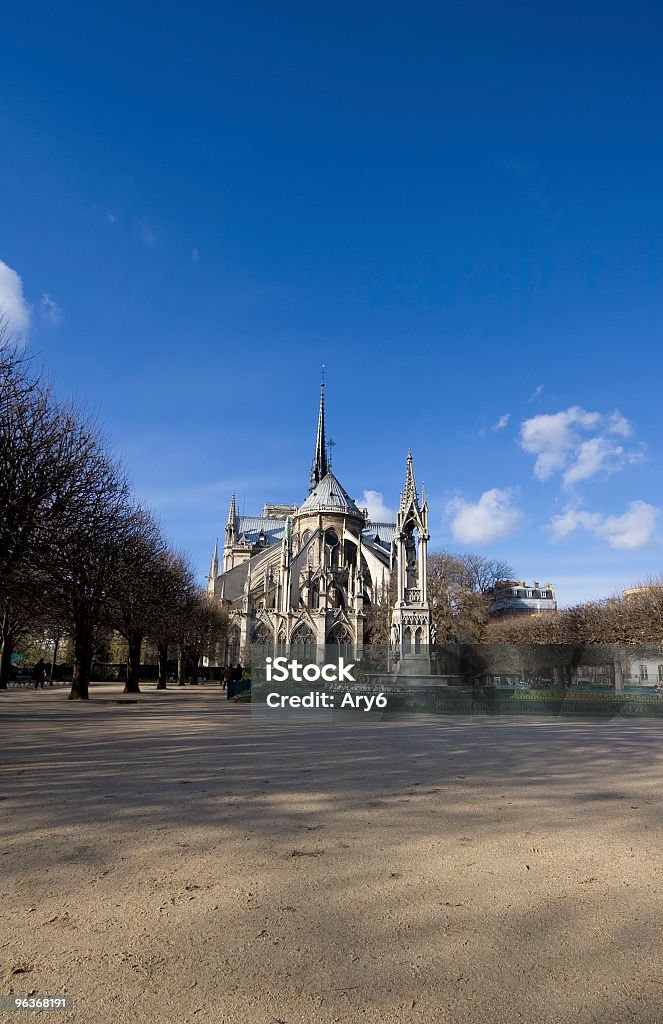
162, 650
619, 675
6, 659
5, 651
562, 677
181, 667
54, 659
80, 687
135, 641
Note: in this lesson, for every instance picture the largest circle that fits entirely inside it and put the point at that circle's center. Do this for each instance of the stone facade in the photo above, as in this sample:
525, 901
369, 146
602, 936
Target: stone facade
514, 597
303, 576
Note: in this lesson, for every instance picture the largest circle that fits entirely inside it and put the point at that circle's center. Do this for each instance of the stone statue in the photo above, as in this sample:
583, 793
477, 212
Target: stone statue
410, 561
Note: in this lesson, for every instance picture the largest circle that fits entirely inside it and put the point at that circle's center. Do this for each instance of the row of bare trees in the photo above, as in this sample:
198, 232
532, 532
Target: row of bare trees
78, 555
634, 619
460, 589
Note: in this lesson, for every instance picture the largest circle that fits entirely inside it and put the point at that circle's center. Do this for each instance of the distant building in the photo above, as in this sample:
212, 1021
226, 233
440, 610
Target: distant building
647, 669
633, 593
514, 597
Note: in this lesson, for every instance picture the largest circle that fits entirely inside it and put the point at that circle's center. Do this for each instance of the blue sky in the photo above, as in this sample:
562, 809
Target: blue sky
457, 208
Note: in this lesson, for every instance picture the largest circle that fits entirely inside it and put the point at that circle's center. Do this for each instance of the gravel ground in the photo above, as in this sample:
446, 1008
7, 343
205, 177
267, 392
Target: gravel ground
176, 860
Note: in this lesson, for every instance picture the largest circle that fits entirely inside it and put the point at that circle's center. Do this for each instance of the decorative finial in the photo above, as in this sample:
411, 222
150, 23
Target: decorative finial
409, 492
232, 511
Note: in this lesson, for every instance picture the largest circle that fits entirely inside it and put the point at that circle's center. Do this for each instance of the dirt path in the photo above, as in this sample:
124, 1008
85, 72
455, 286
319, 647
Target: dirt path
173, 861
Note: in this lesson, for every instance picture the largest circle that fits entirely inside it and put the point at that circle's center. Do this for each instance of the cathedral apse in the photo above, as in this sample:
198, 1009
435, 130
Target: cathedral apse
303, 576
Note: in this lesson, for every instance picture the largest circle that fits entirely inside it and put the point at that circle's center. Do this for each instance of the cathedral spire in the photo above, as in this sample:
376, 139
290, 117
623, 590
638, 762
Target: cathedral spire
213, 569
409, 492
319, 465
231, 535
232, 513
214, 566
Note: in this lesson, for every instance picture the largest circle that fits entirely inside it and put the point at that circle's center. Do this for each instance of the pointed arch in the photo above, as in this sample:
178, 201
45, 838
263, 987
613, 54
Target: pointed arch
263, 637
332, 548
340, 634
341, 639
262, 634
302, 641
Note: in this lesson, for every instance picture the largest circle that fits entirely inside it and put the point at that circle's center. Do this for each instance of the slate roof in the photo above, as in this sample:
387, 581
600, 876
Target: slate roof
329, 494
384, 532
274, 529
332, 495
249, 527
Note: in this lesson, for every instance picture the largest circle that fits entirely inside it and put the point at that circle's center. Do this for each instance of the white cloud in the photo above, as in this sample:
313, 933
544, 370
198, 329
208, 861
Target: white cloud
535, 394
633, 529
377, 510
195, 256
50, 311
146, 233
559, 446
618, 424
13, 306
493, 515
502, 422
592, 456
561, 526
110, 216
552, 438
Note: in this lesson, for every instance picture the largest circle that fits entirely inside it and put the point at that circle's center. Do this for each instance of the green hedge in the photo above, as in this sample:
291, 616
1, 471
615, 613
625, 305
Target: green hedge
518, 702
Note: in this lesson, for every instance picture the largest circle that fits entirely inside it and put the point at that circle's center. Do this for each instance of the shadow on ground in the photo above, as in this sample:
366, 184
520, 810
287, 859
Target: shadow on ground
182, 861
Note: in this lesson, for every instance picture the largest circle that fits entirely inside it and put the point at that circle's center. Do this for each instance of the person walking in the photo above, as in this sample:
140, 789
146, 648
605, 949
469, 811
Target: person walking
226, 677
39, 674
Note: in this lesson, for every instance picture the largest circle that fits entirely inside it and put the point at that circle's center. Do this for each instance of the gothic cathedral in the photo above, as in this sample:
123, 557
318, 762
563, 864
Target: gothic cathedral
304, 575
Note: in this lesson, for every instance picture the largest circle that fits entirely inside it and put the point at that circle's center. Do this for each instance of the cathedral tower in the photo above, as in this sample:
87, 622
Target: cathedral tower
411, 618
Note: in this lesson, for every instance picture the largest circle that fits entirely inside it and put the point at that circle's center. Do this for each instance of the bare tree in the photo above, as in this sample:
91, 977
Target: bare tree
45, 454
459, 590
204, 627
174, 582
88, 556
72, 539
133, 594
25, 614
377, 631
482, 574
643, 607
